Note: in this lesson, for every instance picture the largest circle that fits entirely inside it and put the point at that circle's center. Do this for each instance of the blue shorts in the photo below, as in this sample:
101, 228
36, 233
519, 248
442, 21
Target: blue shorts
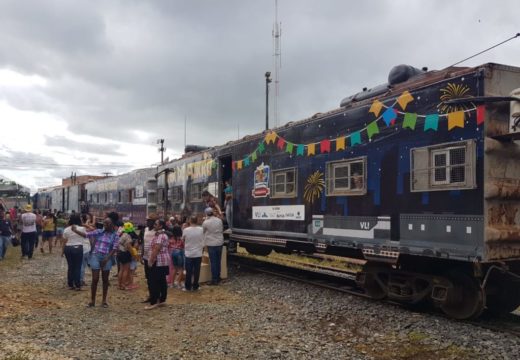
178, 258
95, 262
133, 265
47, 235
59, 231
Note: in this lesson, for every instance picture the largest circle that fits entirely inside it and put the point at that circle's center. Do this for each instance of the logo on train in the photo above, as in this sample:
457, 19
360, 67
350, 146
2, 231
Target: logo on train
261, 189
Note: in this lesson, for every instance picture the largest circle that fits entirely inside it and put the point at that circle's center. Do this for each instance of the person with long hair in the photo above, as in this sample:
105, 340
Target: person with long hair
73, 251
177, 254
158, 260
48, 233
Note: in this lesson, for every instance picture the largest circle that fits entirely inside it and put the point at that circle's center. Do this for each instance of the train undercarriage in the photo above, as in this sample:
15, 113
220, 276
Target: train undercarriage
461, 290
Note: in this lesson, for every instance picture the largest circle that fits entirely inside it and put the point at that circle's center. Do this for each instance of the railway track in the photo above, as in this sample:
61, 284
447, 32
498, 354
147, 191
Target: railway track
344, 281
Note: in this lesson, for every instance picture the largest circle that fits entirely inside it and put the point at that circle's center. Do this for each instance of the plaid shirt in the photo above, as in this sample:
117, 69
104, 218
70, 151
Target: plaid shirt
163, 257
104, 241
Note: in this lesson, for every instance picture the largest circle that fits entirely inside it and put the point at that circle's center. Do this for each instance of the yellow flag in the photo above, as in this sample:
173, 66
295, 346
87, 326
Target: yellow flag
376, 107
456, 119
404, 99
239, 164
340, 143
311, 149
270, 137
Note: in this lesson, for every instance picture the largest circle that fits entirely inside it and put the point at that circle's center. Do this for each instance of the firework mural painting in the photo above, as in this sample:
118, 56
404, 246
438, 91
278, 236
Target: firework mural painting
452, 92
314, 187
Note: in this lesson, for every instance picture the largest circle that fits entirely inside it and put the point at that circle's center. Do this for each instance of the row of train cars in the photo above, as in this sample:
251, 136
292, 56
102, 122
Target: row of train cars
419, 176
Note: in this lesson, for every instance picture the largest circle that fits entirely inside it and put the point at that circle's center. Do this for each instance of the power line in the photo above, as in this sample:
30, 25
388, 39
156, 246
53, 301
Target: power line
483, 51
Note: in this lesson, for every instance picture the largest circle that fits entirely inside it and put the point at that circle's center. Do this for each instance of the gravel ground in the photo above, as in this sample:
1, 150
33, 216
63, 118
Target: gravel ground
250, 316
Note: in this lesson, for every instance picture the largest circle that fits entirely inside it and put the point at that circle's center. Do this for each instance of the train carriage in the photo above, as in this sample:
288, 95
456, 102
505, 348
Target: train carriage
125, 194
419, 177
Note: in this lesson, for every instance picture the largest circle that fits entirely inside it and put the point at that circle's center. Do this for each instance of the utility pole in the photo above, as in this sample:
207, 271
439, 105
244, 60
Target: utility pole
162, 149
277, 59
267, 81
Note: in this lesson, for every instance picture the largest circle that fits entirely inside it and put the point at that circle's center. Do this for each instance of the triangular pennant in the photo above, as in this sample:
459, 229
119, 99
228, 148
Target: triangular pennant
233, 165
389, 116
270, 137
404, 99
281, 143
300, 149
376, 107
311, 149
355, 138
246, 161
253, 156
340, 143
289, 147
239, 164
325, 146
456, 119
431, 122
372, 129
481, 113
261, 148
410, 120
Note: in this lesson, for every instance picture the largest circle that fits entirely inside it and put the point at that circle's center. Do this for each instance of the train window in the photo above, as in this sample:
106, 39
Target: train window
283, 183
97, 198
119, 196
196, 192
176, 194
105, 195
443, 167
346, 177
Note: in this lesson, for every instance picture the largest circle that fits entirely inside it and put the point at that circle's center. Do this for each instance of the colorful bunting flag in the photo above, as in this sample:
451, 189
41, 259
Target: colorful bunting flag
431, 122
456, 119
270, 137
355, 138
311, 149
253, 156
213, 164
404, 99
289, 147
389, 116
481, 113
340, 143
325, 146
246, 161
372, 129
261, 148
233, 165
376, 107
281, 143
239, 164
300, 149
410, 120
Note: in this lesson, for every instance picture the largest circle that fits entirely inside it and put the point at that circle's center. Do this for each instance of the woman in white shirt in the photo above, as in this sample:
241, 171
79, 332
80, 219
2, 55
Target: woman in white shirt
73, 251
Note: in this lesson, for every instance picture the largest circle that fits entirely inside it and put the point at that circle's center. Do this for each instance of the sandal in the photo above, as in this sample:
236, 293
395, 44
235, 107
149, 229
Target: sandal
105, 305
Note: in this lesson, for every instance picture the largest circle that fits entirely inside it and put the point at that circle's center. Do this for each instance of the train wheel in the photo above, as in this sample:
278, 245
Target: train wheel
259, 250
503, 297
375, 280
465, 300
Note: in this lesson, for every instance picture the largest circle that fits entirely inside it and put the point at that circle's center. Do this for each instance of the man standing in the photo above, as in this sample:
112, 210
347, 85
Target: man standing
28, 232
5, 233
213, 239
148, 236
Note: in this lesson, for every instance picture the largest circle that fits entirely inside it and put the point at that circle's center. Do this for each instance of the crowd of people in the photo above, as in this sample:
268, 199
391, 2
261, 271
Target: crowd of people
170, 250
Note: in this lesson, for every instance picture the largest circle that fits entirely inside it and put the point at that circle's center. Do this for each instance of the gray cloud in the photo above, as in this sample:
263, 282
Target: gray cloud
114, 67
61, 141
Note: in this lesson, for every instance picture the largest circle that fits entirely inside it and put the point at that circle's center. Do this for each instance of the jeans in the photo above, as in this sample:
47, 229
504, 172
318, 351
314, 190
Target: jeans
192, 266
84, 264
147, 275
215, 258
158, 285
28, 241
4, 242
74, 256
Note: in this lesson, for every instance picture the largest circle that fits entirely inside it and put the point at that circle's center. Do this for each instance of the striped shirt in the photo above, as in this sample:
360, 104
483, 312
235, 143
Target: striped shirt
104, 241
147, 240
163, 257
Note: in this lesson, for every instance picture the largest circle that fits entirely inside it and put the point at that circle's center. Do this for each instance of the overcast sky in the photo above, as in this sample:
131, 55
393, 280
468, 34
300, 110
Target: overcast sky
89, 86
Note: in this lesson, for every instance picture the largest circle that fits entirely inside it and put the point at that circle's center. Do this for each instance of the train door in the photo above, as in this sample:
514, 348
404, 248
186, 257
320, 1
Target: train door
225, 174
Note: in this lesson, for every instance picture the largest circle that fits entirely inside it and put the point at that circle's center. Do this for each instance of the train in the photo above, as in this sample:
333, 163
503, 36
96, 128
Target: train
418, 176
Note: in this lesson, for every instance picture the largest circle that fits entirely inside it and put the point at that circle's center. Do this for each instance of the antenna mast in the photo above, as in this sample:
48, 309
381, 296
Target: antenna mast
277, 58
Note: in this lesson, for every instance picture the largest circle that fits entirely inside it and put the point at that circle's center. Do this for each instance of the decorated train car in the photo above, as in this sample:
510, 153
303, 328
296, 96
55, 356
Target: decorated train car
419, 177
125, 194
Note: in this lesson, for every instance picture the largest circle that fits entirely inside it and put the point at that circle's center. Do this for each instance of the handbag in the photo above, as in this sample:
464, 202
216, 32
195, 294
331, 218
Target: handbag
14, 241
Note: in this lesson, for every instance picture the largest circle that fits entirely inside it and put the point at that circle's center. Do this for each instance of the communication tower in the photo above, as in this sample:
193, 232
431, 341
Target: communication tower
277, 59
